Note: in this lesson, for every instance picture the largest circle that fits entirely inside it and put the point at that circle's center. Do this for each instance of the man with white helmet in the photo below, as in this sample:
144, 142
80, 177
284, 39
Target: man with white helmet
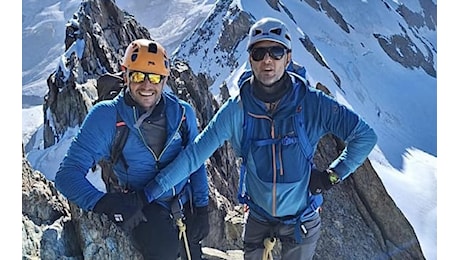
155, 120
274, 125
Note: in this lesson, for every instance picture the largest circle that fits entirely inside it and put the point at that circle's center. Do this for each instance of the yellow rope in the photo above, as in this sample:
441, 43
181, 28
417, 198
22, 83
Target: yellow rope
183, 234
269, 244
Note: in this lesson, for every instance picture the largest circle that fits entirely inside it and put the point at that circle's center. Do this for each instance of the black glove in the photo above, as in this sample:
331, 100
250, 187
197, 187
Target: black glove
198, 224
319, 182
124, 209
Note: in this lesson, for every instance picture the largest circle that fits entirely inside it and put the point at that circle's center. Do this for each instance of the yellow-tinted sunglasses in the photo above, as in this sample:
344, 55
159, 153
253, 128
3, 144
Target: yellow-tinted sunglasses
139, 77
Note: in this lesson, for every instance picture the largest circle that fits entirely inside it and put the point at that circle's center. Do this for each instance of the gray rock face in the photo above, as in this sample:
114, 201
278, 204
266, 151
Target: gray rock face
46, 221
53, 228
359, 215
360, 220
96, 39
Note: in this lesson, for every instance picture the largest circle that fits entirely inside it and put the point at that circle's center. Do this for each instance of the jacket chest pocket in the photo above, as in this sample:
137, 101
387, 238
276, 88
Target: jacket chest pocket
277, 151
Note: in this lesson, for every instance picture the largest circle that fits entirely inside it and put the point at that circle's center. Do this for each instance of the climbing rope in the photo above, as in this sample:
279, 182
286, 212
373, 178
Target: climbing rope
269, 244
180, 224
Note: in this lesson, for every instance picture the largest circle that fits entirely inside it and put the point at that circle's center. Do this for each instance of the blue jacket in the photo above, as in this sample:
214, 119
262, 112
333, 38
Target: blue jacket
322, 115
93, 143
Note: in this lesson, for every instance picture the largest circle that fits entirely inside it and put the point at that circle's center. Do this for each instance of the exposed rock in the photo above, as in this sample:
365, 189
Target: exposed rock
105, 32
359, 215
232, 25
99, 238
45, 213
193, 89
53, 228
401, 49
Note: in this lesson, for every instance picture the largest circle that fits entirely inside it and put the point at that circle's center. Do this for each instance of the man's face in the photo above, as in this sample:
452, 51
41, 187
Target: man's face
268, 70
145, 88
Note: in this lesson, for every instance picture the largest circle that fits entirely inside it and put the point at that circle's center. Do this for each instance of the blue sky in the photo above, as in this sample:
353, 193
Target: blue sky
409, 173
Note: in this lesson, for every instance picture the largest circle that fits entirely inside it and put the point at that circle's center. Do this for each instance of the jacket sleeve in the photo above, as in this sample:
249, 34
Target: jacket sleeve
360, 143
358, 136
198, 179
89, 146
225, 124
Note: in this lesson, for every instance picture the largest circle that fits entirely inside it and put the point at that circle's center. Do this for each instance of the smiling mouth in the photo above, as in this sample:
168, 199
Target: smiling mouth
146, 94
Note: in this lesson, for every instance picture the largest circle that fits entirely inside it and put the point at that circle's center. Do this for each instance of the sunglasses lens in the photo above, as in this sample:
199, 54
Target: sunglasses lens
276, 52
258, 54
137, 77
154, 78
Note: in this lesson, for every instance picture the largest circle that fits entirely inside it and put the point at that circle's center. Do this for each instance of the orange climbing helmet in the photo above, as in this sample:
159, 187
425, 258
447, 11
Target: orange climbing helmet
146, 56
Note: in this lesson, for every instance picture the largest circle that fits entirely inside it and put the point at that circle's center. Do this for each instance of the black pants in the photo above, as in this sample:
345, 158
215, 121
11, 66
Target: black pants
158, 238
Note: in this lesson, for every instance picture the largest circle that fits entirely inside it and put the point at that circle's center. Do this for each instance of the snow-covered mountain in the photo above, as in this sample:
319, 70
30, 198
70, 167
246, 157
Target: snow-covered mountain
43, 33
379, 62
378, 57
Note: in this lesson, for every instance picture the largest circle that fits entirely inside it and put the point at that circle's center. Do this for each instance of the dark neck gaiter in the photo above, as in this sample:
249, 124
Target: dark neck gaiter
274, 92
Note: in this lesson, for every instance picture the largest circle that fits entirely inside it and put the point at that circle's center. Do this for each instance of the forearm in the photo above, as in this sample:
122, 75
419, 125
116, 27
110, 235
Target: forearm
200, 190
188, 161
219, 130
71, 179
72, 183
359, 145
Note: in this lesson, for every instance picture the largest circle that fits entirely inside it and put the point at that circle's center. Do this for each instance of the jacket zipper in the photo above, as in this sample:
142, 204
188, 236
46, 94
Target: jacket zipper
274, 169
273, 146
175, 132
169, 142
157, 159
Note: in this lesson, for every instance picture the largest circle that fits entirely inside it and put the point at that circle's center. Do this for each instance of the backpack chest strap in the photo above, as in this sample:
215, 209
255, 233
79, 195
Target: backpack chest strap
286, 140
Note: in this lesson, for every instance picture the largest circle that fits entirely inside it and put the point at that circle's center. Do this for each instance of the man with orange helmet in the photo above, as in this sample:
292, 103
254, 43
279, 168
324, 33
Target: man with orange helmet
155, 119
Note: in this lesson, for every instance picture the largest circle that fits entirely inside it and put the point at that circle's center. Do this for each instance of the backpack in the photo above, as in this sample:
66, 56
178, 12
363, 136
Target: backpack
300, 136
108, 87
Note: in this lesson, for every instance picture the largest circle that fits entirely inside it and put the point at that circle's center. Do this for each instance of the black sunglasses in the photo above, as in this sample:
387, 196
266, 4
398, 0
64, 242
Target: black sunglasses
276, 52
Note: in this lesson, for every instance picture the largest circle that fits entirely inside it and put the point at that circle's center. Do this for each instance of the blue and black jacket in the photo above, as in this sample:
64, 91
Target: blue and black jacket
93, 143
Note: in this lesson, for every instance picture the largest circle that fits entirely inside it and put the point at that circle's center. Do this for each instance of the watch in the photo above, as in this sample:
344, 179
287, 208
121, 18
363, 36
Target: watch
333, 176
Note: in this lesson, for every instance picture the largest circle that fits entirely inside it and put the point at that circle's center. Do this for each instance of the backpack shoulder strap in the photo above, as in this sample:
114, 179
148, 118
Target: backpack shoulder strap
183, 130
119, 141
116, 153
248, 127
307, 148
121, 135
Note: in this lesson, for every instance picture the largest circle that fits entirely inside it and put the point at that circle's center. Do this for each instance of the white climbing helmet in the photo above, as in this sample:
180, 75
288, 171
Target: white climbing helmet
270, 29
